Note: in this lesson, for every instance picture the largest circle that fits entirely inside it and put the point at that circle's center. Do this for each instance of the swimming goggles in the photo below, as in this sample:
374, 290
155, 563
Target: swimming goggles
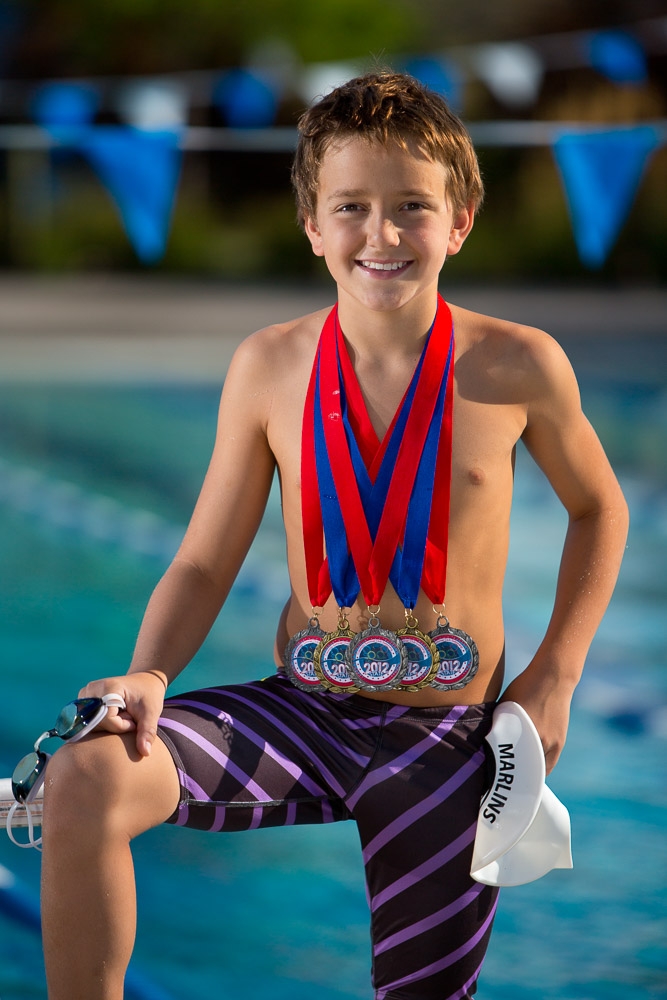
75, 720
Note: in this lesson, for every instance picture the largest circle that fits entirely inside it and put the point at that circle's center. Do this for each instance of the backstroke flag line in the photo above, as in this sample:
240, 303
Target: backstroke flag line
601, 169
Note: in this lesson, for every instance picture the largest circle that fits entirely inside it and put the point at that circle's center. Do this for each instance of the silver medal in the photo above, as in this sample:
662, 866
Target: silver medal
300, 657
459, 657
378, 659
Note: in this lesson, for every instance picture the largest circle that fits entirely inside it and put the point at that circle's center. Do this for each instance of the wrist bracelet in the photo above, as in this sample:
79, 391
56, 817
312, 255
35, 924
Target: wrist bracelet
159, 676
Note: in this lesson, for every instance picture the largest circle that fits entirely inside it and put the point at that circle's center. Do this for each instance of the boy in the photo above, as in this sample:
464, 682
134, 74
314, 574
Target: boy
380, 706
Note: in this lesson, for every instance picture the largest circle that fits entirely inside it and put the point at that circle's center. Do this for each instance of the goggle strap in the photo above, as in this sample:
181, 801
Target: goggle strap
113, 700
32, 841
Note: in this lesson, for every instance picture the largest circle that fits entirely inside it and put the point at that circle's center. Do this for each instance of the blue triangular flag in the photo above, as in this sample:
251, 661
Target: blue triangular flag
601, 172
140, 169
65, 104
619, 56
247, 99
440, 75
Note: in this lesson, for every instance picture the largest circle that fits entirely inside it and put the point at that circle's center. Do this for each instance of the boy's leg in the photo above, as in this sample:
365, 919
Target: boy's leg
99, 795
416, 809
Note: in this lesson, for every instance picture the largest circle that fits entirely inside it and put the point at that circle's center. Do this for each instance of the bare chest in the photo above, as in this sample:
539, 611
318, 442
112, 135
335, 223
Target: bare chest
483, 439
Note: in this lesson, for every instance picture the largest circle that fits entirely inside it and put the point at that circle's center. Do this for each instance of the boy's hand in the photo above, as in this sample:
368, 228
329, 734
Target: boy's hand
548, 705
143, 693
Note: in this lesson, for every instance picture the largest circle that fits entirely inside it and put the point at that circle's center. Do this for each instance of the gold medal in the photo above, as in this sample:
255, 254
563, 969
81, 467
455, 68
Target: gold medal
330, 659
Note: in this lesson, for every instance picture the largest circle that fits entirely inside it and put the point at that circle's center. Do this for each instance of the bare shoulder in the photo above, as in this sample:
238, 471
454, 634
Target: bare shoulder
528, 362
268, 361
280, 344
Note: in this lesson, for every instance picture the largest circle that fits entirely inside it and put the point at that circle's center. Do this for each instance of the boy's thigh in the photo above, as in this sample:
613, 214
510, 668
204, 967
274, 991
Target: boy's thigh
263, 754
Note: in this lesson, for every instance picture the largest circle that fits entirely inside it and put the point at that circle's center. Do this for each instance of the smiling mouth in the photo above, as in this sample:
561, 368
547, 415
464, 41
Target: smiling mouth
376, 265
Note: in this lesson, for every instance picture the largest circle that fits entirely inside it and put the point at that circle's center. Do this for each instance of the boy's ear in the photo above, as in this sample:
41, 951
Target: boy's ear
461, 225
314, 235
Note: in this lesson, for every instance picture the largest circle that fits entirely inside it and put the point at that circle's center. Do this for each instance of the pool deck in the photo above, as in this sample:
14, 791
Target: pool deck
158, 328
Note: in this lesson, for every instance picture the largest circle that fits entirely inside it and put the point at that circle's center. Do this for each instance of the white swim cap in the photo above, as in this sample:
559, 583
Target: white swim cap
523, 830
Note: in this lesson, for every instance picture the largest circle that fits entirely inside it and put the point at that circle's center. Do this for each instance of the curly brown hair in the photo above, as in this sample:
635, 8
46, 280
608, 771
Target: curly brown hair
385, 107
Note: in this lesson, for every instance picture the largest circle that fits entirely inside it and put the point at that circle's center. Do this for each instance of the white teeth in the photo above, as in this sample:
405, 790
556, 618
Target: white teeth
376, 266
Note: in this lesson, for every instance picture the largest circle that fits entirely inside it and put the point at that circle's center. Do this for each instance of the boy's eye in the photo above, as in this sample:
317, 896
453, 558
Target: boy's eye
352, 207
413, 206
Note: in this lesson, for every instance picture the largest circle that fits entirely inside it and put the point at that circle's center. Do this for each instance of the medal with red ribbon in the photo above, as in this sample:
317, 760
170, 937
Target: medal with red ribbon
371, 502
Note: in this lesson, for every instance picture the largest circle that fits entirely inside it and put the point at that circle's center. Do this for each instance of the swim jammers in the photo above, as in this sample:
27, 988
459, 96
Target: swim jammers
268, 754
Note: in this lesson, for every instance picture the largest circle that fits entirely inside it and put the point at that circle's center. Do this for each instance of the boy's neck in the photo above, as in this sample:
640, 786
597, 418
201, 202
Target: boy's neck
374, 332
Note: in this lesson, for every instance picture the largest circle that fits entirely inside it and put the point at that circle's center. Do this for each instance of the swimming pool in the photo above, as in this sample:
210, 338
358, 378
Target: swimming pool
96, 484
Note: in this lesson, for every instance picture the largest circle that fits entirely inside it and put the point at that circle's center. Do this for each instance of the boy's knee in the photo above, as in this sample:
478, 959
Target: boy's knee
104, 786
83, 782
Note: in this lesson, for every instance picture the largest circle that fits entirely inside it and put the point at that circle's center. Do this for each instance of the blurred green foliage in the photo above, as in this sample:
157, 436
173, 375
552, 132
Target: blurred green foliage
152, 36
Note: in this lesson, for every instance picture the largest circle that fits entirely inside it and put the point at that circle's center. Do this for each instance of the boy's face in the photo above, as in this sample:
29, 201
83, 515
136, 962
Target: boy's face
383, 222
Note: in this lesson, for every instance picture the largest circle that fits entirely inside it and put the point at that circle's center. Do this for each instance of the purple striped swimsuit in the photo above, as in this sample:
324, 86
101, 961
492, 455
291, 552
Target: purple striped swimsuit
267, 754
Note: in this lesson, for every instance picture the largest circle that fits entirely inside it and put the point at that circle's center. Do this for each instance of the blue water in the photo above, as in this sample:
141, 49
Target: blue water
96, 484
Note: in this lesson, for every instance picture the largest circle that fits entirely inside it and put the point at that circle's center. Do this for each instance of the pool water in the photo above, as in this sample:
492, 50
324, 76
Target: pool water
96, 485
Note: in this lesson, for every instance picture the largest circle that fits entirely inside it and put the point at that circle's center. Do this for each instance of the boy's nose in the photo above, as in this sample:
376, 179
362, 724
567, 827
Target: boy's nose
382, 231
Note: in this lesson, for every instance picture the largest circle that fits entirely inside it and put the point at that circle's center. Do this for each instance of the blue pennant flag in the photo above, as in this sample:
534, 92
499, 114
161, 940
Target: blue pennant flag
247, 99
619, 56
140, 169
440, 75
601, 172
65, 104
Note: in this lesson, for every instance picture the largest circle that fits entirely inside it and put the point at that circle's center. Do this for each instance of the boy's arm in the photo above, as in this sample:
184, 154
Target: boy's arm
188, 598
565, 446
